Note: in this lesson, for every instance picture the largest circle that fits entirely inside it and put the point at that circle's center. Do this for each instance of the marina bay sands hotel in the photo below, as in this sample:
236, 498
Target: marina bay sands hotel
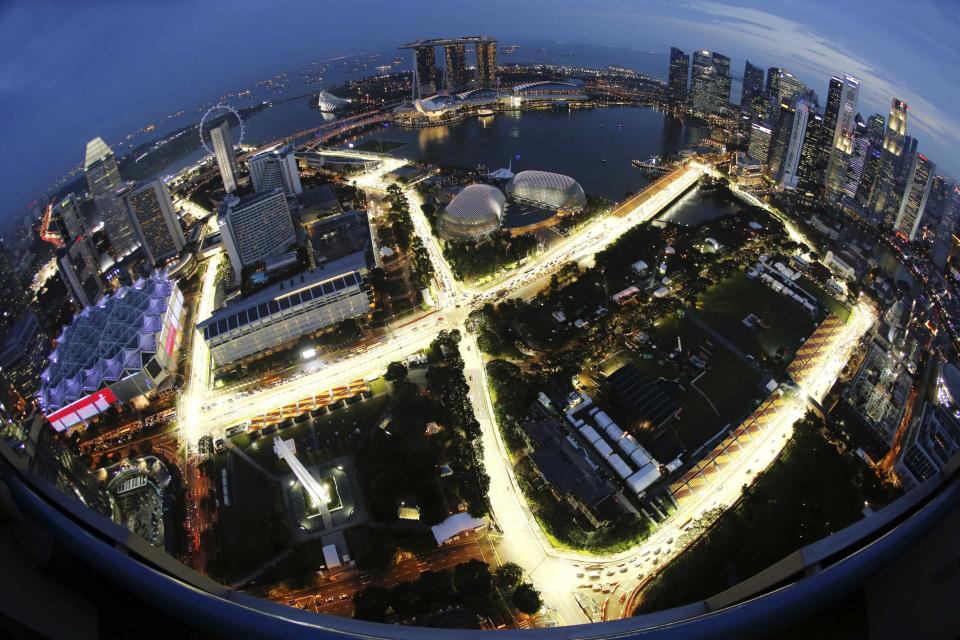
425, 80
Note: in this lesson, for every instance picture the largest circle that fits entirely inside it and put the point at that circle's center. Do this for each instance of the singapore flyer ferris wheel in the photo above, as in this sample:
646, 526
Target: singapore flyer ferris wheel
215, 112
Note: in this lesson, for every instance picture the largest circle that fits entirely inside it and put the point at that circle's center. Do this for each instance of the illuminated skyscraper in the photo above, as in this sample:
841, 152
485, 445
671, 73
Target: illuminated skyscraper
223, 151
802, 112
79, 268
915, 195
781, 138
751, 94
487, 64
425, 71
103, 182
678, 77
883, 198
456, 66
759, 148
710, 82
808, 169
275, 168
875, 126
70, 214
781, 85
151, 211
13, 301
858, 157
838, 123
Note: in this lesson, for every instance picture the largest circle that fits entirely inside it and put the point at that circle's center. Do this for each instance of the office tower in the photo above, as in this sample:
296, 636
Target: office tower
721, 83
710, 82
901, 166
487, 64
103, 182
752, 87
838, 123
759, 148
79, 268
151, 211
871, 168
275, 169
23, 355
808, 168
456, 66
858, 157
254, 228
770, 92
875, 126
678, 77
883, 197
223, 150
424, 71
780, 139
701, 81
914, 200
13, 299
781, 86
802, 111
70, 214
949, 219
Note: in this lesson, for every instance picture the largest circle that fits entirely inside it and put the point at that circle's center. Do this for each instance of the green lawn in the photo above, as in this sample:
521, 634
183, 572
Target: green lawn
729, 383
725, 305
811, 491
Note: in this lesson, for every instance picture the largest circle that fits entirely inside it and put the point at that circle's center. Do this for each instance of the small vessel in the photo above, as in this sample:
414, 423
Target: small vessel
603, 160
484, 113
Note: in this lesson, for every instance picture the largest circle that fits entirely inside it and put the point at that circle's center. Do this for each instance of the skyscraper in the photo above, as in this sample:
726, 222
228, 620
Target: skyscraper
103, 182
255, 228
487, 64
70, 214
781, 85
914, 197
722, 82
275, 168
223, 150
883, 198
838, 123
151, 210
701, 81
13, 301
802, 111
858, 157
710, 82
425, 71
456, 66
79, 268
678, 77
808, 169
759, 148
781, 138
875, 127
752, 89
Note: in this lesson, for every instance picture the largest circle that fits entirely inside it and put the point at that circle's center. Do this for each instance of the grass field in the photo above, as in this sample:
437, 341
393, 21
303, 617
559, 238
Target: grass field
726, 391
728, 383
725, 305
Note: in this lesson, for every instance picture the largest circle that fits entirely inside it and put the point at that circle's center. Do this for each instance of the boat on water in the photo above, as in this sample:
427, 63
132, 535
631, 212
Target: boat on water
484, 113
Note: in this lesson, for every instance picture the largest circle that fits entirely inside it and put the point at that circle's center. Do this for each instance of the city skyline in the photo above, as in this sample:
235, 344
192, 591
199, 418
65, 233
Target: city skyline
469, 331
768, 36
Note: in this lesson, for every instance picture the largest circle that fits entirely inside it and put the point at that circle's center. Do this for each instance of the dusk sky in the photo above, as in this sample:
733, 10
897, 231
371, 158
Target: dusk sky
70, 71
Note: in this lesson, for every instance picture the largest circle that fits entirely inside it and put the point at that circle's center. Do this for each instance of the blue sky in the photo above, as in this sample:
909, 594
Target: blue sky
73, 70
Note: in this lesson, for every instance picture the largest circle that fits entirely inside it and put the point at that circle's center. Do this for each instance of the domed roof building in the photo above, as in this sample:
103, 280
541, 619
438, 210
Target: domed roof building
550, 190
474, 213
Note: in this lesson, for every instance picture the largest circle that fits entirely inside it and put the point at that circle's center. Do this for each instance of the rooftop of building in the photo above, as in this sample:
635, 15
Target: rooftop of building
107, 341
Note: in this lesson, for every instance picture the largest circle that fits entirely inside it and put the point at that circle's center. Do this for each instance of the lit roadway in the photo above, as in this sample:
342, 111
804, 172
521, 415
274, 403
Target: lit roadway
207, 411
